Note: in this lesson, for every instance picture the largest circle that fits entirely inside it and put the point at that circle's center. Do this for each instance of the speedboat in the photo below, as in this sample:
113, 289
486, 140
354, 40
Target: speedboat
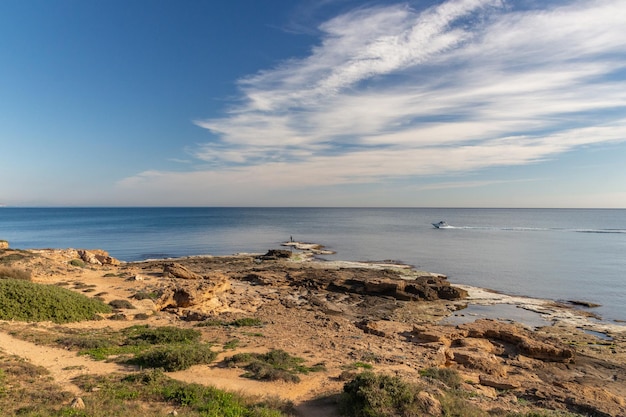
441, 225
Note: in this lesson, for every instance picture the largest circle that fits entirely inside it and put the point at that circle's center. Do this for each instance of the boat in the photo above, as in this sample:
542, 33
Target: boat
441, 225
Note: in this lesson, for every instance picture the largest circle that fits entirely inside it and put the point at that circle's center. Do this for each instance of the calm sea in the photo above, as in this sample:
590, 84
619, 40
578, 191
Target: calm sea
560, 254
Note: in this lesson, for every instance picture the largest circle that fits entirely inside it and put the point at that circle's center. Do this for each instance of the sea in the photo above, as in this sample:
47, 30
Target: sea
557, 254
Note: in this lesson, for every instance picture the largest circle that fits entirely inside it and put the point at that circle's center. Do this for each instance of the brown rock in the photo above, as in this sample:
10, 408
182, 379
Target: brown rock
523, 340
97, 257
175, 270
201, 295
498, 382
478, 360
4, 244
77, 403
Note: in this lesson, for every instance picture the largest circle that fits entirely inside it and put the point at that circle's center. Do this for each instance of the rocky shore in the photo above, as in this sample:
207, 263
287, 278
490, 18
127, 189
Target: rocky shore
394, 318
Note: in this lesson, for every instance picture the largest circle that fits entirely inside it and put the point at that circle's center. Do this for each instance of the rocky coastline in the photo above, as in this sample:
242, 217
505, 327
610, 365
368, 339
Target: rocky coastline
397, 319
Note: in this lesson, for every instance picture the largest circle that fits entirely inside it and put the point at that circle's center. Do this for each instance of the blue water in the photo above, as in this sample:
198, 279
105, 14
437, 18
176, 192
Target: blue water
549, 253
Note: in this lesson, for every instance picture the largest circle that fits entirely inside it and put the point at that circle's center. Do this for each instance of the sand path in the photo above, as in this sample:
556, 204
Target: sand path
63, 364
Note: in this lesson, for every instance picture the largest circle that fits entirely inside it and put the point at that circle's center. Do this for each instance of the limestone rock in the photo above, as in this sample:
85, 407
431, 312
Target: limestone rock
4, 244
498, 382
77, 403
480, 361
97, 257
176, 270
201, 296
522, 339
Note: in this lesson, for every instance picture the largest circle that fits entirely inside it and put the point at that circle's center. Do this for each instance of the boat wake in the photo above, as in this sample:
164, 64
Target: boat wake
535, 229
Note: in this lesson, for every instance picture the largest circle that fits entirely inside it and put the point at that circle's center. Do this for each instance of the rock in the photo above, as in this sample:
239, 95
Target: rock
77, 403
478, 360
88, 257
429, 404
371, 327
201, 296
274, 254
97, 257
498, 382
4, 244
521, 339
587, 304
175, 270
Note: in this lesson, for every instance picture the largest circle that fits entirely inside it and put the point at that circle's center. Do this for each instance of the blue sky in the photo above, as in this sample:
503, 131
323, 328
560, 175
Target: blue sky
464, 103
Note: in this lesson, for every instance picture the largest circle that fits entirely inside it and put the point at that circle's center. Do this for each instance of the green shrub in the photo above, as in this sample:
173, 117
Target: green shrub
154, 388
246, 321
142, 295
373, 395
448, 376
231, 344
118, 317
14, 273
272, 366
27, 301
175, 357
77, 262
241, 322
121, 304
85, 342
161, 335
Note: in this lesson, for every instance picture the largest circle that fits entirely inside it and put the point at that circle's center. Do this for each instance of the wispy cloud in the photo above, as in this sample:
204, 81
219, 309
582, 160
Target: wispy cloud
392, 92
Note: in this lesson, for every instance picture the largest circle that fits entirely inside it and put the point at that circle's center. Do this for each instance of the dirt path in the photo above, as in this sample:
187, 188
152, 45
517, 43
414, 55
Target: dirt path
62, 364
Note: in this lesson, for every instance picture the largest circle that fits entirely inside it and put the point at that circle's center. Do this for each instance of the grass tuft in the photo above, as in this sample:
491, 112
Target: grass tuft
272, 366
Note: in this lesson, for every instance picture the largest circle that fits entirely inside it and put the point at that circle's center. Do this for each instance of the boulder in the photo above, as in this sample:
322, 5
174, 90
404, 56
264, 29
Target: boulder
200, 295
479, 361
77, 403
97, 257
176, 270
521, 339
497, 382
274, 254
4, 244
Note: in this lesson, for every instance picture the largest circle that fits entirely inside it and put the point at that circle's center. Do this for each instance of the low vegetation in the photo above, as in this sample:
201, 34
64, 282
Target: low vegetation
27, 390
374, 395
7, 272
8, 257
381, 395
272, 366
143, 295
77, 262
240, 322
121, 304
448, 376
175, 357
27, 301
170, 348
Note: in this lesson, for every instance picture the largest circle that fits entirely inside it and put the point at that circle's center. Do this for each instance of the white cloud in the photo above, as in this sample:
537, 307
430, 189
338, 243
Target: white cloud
391, 92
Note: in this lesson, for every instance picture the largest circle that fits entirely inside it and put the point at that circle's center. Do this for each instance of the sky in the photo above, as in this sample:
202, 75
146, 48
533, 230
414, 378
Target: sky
458, 103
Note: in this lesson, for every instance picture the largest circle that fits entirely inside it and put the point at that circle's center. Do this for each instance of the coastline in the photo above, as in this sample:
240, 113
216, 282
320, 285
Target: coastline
346, 312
